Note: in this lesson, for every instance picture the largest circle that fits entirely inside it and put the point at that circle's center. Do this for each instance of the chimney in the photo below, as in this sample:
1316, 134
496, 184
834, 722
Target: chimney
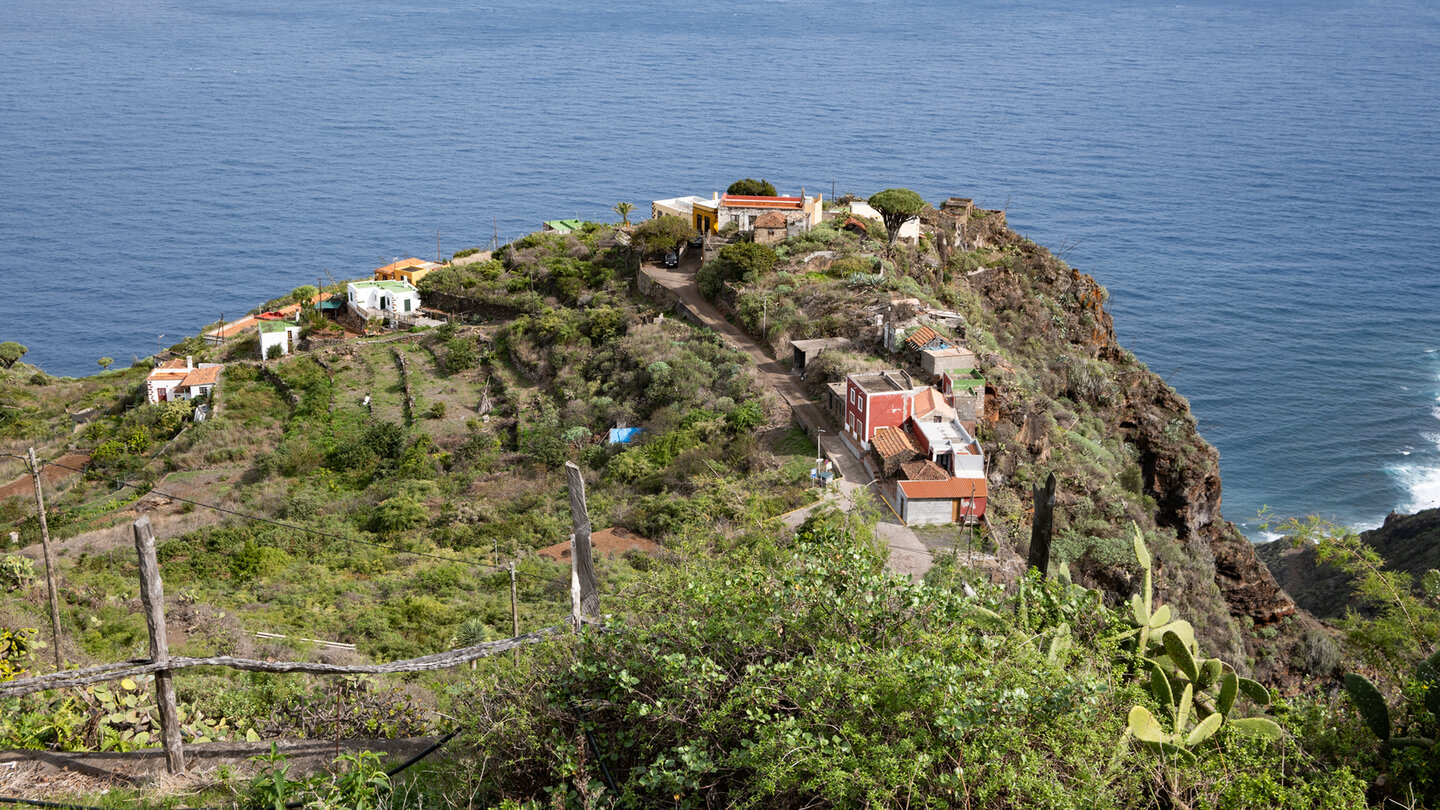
714, 195
189, 363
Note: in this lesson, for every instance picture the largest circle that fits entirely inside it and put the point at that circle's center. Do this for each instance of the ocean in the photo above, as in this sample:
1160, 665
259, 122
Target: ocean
1256, 184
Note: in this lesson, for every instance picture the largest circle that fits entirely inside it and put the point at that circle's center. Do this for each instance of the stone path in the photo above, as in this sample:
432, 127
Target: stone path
907, 554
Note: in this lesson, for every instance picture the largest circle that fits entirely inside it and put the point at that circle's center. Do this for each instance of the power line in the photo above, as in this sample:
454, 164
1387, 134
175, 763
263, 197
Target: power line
295, 527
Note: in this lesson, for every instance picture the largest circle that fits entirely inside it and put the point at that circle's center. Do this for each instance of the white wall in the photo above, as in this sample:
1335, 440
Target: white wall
910, 230
268, 339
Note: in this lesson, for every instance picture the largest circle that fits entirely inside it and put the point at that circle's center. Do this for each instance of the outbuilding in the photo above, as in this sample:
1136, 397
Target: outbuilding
283, 335
955, 500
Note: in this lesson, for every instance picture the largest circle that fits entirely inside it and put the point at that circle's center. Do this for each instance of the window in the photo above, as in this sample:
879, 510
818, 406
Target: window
407, 304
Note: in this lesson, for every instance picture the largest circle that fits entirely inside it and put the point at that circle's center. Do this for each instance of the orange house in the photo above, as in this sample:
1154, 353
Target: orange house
410, 270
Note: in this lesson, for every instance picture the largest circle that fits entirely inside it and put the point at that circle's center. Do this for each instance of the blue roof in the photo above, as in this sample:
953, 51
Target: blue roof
623, 435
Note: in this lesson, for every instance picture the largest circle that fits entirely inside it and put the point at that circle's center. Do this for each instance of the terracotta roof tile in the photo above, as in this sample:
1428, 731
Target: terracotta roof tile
201, 376
922, 336
951, 489
890, 442
774, 219
927, 402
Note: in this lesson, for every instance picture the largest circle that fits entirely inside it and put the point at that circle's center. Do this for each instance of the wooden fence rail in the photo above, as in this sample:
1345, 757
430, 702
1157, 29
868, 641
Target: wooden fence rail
585, 610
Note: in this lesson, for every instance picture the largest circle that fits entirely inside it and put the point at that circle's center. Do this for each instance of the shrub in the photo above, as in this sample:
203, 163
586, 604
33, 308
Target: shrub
437, 410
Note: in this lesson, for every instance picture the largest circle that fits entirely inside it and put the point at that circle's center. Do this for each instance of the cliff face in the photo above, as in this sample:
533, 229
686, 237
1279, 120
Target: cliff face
1060, 369
1409, 543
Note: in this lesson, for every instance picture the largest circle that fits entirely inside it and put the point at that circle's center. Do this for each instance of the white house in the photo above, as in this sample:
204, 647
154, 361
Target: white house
910, 230
181, 379
284, 334
390, 300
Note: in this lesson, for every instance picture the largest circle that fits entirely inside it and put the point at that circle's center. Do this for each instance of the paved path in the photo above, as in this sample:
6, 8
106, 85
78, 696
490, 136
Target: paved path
907, 554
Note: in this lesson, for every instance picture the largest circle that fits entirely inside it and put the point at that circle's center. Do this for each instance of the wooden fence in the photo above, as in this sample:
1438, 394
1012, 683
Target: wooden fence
584, 609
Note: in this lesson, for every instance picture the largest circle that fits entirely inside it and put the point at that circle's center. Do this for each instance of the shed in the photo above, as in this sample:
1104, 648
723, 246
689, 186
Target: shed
951, 358
954, 500
770, 228
803, 351
892, 448
926, 338
965, 390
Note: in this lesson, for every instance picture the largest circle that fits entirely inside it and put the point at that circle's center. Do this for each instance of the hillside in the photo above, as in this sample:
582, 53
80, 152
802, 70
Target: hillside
776, 649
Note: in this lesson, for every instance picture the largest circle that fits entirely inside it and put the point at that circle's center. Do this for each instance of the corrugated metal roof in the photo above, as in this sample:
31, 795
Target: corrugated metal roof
921, 336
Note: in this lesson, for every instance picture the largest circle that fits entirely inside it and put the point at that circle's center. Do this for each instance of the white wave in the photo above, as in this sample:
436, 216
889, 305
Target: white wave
1421, 482
1267, 537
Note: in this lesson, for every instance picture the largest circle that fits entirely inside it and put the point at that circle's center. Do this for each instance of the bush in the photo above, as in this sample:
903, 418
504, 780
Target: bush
437, 410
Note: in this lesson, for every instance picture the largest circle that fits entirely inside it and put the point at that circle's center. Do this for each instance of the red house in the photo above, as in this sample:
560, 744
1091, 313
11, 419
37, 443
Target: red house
876, 399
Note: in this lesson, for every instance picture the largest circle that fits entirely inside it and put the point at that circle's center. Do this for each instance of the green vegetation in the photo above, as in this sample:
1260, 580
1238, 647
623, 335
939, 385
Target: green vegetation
747, 664
624, 209
656, 235
752, 187
10, 353
897, 206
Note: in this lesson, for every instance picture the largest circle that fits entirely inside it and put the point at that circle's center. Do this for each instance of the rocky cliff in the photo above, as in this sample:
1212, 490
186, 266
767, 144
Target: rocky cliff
1061, 378
1409, 543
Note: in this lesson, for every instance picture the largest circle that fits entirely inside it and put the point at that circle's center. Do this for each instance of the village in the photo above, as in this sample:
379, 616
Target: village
908, 430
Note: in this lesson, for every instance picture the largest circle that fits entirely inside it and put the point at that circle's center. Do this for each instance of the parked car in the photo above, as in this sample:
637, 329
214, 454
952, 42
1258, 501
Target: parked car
698, 242
672, 259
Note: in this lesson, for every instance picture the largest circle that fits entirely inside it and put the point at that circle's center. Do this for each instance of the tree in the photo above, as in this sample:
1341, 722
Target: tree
10, 353
661, 233
105, 363
302, 295
624, 209
742, 261
752, 188
897, 206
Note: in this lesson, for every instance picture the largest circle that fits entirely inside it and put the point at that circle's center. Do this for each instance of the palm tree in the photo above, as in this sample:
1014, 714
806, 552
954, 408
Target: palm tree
624, 209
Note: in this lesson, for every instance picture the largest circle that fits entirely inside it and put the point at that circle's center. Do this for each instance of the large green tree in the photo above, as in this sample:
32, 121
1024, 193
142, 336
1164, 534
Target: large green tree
896, 206
10, 353
752, 187
661, 233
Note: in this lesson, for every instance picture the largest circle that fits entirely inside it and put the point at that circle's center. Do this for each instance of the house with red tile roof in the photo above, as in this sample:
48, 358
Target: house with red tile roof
181, 379
953, 500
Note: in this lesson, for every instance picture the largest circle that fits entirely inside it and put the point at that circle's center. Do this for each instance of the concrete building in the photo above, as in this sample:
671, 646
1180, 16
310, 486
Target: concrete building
803, 351
955, 500
181, 379
950, 445
965, 391
874, 400
284, 334
390, 300
951, 358
408, 270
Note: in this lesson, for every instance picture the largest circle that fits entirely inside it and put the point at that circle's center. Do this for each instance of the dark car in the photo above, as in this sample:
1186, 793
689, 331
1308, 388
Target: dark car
698, 242
672, 259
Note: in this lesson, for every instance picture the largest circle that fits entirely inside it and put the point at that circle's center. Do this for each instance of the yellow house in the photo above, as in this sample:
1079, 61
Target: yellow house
408, 270
705, 215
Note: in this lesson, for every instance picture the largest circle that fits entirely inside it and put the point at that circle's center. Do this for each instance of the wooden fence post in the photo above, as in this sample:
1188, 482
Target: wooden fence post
514, 609
49, 560
584, 597
152, 594
1042, 527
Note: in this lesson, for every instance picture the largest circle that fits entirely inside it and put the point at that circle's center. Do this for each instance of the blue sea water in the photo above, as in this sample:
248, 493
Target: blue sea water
1256, 183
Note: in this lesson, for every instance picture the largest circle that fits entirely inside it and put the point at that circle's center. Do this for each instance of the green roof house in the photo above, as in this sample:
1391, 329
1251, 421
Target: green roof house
283, 335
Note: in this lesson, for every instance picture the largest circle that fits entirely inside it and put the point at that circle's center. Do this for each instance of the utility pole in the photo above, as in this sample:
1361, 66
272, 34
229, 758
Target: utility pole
438, 259
49, 561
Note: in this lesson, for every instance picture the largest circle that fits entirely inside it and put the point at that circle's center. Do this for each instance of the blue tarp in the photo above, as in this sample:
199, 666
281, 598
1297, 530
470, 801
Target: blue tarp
623, 435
